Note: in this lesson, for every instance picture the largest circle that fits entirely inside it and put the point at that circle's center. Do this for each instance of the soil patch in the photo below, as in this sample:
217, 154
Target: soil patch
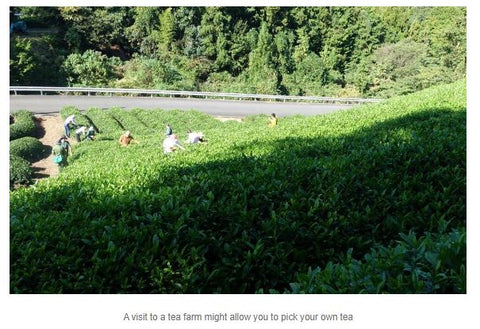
49, 129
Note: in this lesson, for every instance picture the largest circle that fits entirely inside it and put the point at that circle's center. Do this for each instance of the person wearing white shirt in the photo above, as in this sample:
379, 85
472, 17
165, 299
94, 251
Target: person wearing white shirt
194, 137
80, 131
171, 143
66, 124
90, 134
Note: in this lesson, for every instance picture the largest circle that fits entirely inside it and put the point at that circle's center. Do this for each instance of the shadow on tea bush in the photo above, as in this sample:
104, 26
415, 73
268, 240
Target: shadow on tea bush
28, 148
20, 171
23, 125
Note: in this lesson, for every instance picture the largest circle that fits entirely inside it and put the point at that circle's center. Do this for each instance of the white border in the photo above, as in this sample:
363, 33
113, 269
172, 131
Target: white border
370, 311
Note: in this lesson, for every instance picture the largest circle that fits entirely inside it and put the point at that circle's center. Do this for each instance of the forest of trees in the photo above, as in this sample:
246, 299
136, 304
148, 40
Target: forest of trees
324, 51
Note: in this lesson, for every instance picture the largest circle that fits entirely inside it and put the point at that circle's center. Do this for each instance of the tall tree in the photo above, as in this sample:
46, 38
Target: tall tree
22, 62
187, 22
444, 31
167, 31
214, 32
139, 34
243, 40
261, 72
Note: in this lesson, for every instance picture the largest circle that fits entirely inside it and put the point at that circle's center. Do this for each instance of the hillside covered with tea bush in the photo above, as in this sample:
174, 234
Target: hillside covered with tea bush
366, 200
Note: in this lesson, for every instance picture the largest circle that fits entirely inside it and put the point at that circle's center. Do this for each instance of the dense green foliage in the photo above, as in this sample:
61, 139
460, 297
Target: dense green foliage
23, 147
28, 148
343, 51
373, 199
431, 264
90, 68
37, 60
23, 124
20, 171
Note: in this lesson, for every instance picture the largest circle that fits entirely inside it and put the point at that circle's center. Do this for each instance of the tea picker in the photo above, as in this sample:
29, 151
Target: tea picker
69, 121
61, 150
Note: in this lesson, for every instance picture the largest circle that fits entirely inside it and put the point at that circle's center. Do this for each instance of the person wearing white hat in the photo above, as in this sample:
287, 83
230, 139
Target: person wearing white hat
90, 134
126, 139
79, 132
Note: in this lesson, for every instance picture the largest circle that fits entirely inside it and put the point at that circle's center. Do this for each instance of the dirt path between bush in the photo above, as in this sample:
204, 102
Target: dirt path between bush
50, 128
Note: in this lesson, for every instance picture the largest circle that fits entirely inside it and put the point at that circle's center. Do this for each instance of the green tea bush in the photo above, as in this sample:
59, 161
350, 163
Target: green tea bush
29, 148
23, 125
256, 207
127, 120
20, 171
80, 118
104, 122
430, 264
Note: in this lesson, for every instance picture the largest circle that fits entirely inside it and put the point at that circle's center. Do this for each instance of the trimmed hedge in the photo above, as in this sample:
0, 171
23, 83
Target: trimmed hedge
28, 148
20, 170
80, 118
429, 264
24, 125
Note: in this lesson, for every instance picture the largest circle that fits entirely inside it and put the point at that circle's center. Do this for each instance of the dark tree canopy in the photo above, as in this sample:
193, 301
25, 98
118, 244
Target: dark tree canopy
353, 51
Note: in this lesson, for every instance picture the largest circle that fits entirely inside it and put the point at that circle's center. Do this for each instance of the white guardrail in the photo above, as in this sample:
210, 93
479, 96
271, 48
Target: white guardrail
188, 94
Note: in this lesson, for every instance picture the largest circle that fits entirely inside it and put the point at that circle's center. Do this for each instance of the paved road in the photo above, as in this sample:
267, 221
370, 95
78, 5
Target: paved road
50, 104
